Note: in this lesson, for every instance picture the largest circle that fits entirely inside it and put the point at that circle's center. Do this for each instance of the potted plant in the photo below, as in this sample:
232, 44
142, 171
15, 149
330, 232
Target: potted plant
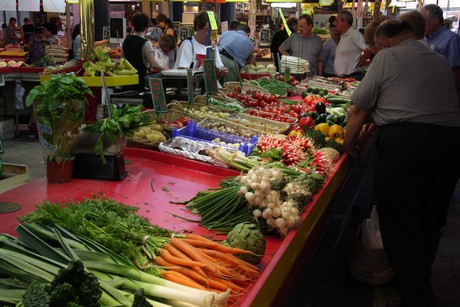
59, 108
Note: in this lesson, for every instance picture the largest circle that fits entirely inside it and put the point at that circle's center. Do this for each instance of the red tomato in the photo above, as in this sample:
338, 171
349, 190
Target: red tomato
296, 108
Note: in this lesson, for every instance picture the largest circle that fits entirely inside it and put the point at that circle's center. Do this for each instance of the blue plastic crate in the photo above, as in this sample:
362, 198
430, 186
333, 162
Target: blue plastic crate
194, 132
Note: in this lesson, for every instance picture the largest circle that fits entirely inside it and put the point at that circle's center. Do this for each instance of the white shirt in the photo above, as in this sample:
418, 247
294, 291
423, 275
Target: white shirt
186, 54
348, 52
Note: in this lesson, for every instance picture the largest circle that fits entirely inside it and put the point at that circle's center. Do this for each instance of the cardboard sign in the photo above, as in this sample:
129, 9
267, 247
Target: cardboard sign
158, 95
210, 77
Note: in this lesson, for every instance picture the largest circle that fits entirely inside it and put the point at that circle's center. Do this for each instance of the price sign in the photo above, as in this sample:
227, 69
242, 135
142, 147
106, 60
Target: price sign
158, 95
212, 21
210, 77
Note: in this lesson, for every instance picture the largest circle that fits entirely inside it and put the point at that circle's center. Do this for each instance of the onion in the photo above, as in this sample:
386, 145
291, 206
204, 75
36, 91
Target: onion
276, 212
280, 222
243, 190
250, 197
254, 185
257, 213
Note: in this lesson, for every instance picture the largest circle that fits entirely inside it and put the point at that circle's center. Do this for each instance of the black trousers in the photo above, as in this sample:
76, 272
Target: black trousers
416, 169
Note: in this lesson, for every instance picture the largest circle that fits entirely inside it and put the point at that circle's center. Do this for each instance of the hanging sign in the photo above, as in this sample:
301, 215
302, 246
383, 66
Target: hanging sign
210, 78
8, 5
289, 32
54, 6
212, 21
29, 5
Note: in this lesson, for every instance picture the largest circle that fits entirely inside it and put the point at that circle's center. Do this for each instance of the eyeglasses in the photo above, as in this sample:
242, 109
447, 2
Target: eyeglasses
205, 29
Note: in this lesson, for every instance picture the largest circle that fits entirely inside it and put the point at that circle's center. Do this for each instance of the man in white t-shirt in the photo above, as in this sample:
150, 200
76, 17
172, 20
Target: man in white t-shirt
350, 48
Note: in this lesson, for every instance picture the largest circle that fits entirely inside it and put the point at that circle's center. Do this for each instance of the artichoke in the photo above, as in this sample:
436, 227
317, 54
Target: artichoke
247, 236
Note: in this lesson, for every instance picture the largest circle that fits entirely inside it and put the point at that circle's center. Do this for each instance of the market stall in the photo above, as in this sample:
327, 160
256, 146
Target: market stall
176, 179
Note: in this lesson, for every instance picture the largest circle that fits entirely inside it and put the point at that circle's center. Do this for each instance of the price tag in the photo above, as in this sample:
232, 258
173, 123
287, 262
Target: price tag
210, 77
158, 95
212, 21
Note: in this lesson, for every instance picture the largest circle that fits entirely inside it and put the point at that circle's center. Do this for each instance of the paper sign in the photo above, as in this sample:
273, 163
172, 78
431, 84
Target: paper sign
54, 6
210, 78
29, 5
212, 21
158, 95
8, 5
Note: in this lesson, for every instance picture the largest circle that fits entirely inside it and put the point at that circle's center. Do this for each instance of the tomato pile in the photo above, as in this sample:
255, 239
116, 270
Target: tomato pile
284, 118
252, 98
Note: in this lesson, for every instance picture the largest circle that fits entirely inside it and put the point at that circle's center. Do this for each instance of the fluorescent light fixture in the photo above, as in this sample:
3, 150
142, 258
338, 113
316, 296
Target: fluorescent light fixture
283, 5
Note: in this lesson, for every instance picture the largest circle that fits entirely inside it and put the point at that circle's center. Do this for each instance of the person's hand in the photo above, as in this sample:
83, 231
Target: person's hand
367, 130
222, 72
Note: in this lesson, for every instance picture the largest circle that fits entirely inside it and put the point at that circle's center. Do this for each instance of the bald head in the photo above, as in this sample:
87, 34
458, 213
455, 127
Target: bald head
391, 32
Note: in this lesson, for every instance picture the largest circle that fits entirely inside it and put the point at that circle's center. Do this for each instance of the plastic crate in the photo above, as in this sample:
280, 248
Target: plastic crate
194, 132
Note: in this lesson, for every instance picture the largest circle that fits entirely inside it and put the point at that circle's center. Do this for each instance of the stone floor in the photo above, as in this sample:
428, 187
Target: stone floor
323, 278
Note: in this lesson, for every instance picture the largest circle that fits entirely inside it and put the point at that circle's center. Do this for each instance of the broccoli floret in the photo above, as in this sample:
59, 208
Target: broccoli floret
72, 287
316, 136
85, 285
139, 299
36, 295
333, 144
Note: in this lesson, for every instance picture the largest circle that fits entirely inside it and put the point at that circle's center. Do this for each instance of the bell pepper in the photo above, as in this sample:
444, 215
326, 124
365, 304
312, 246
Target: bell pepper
324, 128
336, 131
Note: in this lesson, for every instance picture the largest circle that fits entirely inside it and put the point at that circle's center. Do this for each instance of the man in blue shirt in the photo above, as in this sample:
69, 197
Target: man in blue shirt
236, 47
441, 39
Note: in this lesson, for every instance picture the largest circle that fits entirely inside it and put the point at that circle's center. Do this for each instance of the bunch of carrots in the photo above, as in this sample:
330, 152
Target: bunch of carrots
198, 262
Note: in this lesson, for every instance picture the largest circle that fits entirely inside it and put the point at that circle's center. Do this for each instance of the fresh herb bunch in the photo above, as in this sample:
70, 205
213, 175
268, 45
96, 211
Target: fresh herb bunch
117, 126
59, 109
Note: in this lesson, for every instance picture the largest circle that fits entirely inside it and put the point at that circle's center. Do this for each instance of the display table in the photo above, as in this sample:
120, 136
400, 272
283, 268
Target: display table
177, 179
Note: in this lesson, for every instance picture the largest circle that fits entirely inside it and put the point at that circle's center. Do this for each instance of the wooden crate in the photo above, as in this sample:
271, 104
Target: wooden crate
13, 175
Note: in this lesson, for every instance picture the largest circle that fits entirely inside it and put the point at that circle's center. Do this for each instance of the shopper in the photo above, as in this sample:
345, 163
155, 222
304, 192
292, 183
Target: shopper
236, 50
417, 22
329, 48
441, 39
12, 35
36, 46
27, 30
166, 48
350, 49
192, 50
2, 35
76, 39
306, 45
279, 37
165, 24
233, 25
50, 32
154, 32
416, 165
139, 51
369, 32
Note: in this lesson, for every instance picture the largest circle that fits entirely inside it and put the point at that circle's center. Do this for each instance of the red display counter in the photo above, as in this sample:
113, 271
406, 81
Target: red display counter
154, 181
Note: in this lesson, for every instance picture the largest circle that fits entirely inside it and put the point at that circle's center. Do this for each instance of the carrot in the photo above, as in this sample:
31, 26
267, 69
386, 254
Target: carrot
179, 278
193, 236
179, 261
226, 283
232, 259
216, 246
175, 252
163, 263
197, 255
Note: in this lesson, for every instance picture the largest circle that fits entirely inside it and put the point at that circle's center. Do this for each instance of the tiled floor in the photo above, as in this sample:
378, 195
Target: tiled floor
323, 278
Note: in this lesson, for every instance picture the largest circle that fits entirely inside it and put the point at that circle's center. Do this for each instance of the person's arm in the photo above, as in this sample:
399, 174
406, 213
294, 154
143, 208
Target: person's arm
282, 51
356, 118
320, 67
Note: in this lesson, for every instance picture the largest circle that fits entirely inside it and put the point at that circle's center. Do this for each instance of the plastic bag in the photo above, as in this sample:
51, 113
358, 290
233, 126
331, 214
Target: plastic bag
369, 232
19, 91
161, 59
